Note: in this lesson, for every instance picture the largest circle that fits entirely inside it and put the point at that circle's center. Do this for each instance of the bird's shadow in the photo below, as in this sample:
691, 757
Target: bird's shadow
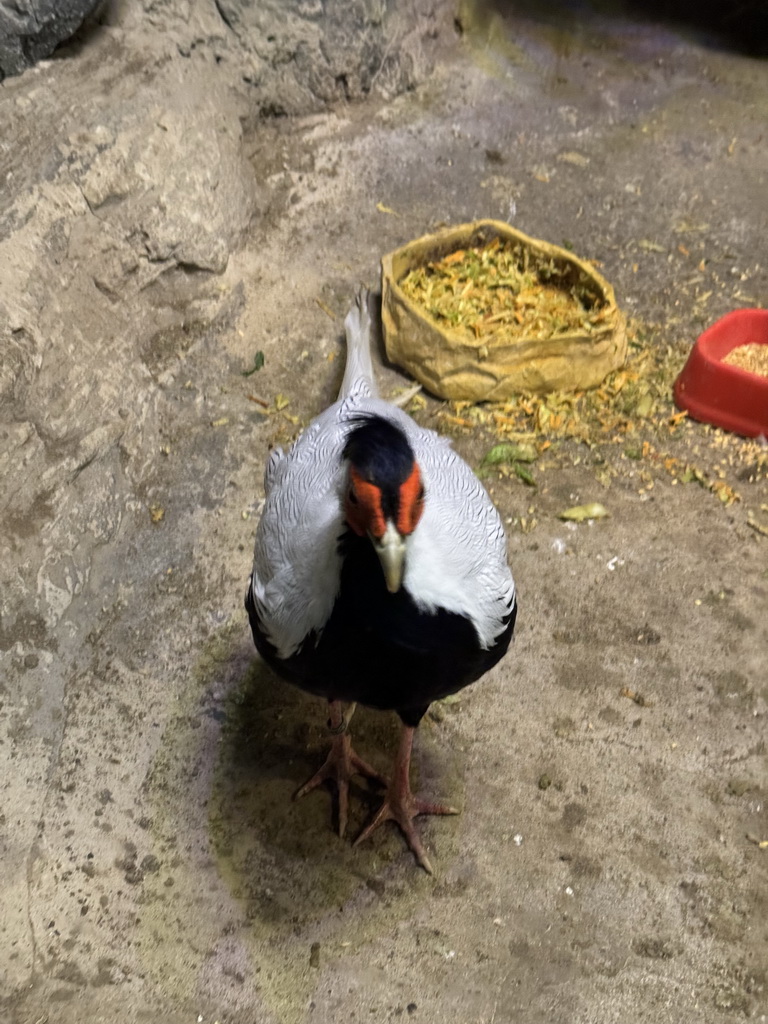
271, 847
273, 738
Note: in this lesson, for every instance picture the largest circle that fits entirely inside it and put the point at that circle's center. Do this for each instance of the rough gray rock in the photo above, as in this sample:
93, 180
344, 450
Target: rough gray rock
32, 29
135, 194
302, 55
299, 56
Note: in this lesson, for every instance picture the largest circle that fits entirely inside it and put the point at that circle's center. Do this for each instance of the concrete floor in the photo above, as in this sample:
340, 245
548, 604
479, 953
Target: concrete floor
604, 867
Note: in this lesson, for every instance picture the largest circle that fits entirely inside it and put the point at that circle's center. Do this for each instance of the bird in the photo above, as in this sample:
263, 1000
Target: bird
380, 576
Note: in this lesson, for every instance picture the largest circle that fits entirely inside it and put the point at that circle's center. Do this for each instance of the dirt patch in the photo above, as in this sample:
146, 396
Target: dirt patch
607, 863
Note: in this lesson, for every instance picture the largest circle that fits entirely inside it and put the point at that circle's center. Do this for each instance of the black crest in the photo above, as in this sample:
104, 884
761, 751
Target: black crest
380, 452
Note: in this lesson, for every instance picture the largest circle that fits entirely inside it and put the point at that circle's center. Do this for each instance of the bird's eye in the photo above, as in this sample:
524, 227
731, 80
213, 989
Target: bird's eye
420, 495
351, 496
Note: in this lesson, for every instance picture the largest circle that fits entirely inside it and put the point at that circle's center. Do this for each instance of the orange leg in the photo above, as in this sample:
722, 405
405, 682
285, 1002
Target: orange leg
401, 805
341, 764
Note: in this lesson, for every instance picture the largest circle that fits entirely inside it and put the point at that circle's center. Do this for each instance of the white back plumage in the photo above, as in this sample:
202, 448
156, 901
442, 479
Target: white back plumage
456, 557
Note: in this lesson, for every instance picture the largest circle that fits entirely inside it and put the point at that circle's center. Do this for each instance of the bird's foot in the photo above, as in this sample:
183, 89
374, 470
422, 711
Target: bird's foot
401, 806
340, 765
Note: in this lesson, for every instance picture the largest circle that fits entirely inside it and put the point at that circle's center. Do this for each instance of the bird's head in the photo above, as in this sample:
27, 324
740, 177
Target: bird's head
384, 499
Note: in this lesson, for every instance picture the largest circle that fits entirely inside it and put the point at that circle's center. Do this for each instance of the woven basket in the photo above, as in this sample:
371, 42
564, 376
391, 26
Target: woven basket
494, 368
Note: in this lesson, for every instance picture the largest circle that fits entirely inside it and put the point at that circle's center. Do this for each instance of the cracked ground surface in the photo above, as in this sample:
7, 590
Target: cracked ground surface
606, 865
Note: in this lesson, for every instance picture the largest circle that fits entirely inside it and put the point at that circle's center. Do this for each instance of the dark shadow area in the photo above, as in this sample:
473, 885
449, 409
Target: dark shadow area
274, 737
92, 28
741, 25
277, 854
274, 733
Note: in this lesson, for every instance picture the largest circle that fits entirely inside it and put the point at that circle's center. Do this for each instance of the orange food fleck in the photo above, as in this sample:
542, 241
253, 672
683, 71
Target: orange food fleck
454, 257
458, 420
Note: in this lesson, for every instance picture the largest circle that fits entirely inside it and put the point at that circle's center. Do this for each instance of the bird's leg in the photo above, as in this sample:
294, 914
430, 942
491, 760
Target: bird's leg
342, 761
401, 805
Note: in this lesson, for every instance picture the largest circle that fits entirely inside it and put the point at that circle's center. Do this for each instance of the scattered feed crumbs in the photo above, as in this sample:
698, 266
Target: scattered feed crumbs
628, 426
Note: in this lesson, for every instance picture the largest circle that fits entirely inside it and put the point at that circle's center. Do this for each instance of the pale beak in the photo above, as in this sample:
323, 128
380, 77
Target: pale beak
391, 551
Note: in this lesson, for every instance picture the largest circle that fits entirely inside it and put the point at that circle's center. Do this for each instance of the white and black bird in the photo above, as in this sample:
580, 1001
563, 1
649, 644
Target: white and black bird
380, 574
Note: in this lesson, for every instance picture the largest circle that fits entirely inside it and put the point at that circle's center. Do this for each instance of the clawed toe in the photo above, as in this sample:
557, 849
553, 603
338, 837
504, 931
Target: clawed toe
402, 808
340, 765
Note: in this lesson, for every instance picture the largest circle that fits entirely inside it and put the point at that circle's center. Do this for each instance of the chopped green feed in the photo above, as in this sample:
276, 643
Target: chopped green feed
503, 291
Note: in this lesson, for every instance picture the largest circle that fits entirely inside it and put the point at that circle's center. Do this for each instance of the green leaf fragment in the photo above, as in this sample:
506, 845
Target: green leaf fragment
644, 406
258, 362
580, 513
691, 474
524, 474
506, 452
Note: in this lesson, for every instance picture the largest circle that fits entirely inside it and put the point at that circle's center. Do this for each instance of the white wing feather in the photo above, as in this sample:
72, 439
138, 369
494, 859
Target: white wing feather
296, 564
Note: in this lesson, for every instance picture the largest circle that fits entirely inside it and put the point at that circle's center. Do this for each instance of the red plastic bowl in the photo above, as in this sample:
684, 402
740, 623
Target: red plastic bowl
726, 396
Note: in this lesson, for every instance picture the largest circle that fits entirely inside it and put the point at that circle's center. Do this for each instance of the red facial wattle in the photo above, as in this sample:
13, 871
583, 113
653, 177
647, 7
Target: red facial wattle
364, 507
411, 504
